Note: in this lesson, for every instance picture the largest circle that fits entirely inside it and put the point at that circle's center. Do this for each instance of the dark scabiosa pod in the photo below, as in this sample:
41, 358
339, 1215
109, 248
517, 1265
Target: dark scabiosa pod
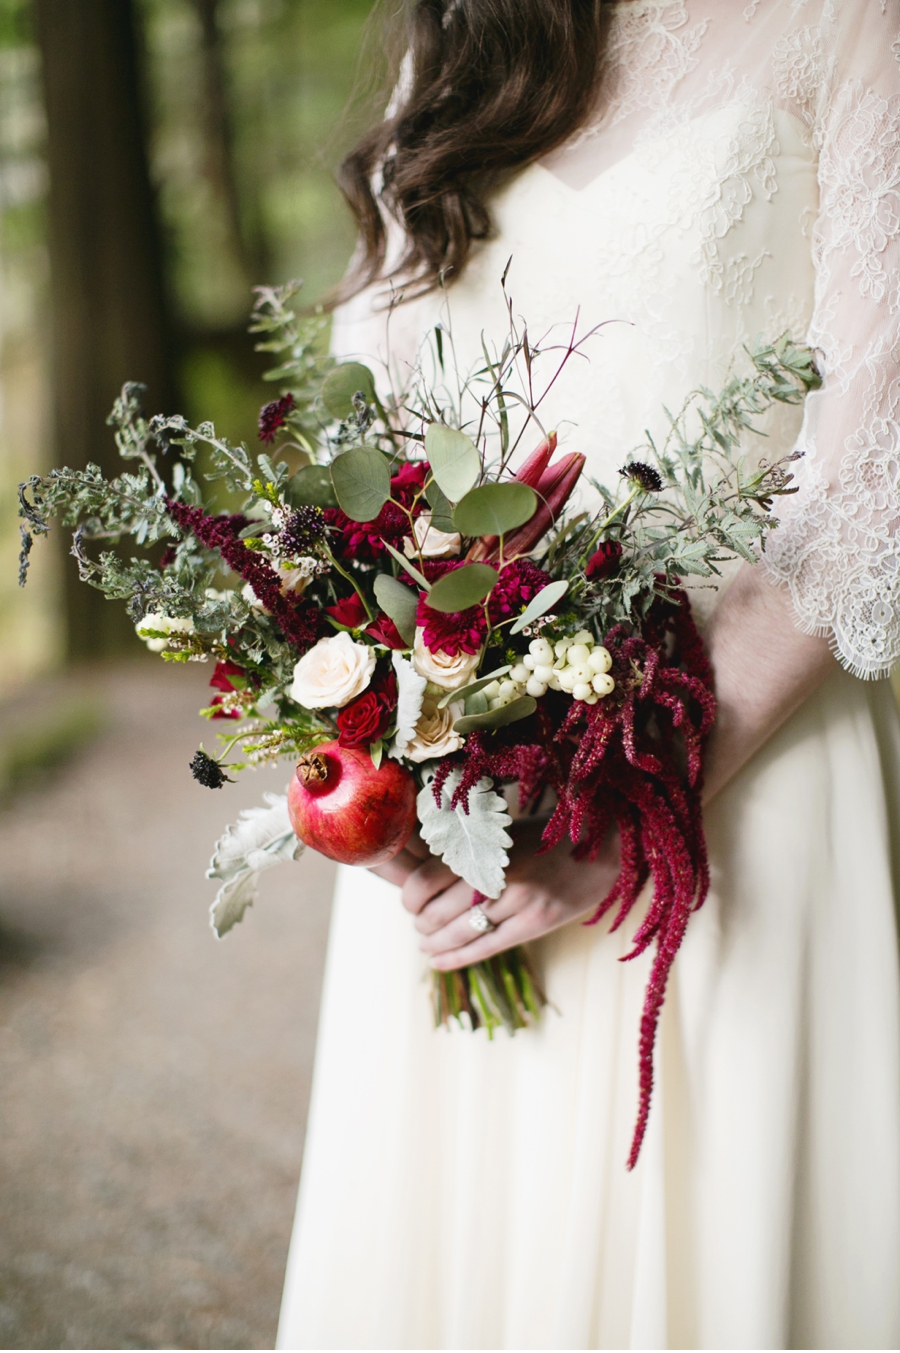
639, 472
208, 772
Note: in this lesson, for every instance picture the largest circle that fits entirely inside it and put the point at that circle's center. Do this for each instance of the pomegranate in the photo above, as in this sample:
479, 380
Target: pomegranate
341, 806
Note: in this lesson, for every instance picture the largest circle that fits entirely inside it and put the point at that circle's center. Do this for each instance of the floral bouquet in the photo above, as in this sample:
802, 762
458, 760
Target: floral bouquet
418, 626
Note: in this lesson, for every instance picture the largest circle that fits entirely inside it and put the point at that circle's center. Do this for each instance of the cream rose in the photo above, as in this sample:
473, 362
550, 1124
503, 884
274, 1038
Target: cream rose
430, 542
440, 668
332, 673
434, 735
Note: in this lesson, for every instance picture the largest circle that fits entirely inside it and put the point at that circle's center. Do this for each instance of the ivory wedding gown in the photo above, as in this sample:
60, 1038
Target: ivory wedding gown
741, 178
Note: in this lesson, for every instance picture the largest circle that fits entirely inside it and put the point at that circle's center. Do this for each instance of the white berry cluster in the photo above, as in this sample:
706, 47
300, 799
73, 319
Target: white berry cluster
579, 666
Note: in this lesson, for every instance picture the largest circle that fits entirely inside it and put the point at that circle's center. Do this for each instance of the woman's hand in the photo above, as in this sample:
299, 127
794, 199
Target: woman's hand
543, 892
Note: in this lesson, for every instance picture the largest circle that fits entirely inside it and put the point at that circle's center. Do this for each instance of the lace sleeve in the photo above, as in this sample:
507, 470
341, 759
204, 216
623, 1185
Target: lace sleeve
838, 547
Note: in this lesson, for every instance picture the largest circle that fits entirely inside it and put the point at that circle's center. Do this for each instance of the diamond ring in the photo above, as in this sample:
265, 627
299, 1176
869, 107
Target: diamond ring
479, 920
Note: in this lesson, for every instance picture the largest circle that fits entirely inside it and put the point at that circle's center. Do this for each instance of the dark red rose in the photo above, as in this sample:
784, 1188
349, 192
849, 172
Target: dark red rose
604, 562
366, 719
221, 680
349, 611
384, 631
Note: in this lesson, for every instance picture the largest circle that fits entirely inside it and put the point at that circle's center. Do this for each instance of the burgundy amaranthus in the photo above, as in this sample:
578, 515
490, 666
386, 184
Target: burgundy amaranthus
298, 624
621, 762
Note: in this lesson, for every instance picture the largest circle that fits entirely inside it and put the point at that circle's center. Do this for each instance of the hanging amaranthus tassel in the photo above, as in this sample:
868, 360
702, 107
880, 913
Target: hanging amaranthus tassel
635, 759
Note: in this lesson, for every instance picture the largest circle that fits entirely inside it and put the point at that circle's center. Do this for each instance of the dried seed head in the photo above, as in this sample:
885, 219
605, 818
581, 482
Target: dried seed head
303, 529
312, 768
643, 474
208, 772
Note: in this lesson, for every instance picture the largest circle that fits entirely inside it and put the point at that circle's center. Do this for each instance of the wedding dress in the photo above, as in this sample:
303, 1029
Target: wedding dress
741, 178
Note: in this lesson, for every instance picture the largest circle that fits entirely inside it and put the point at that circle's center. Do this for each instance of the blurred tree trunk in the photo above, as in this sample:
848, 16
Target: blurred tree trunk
111, 319
241, 222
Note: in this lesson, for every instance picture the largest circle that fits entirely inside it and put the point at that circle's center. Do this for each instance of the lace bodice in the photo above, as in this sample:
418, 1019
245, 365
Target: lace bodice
741, 177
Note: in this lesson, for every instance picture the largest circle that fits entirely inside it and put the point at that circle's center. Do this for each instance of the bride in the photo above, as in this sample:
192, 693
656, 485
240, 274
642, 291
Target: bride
701, 172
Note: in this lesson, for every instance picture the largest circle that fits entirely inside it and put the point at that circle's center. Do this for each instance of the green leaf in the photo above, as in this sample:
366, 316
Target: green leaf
408, 565
399, 602
454, 459
341, 384
540, 604
497, 718
476, 704
362, 482
494, 509
376, 752
462, 588
473, 687
441, 509
312, 485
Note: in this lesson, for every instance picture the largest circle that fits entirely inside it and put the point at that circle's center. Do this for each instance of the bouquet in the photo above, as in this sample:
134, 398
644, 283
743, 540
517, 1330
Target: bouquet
420, 627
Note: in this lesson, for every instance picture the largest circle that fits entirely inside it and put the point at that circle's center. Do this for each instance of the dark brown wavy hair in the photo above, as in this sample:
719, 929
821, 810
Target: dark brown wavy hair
488, 86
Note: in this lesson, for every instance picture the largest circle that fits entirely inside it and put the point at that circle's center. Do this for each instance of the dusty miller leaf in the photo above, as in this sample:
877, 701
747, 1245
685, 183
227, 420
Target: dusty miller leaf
260, 838
474, 844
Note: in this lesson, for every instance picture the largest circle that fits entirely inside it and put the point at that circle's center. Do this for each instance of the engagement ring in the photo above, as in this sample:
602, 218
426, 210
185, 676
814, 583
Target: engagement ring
479, 920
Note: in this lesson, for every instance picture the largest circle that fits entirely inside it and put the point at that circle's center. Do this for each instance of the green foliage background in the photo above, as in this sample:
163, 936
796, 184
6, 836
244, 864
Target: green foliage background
245, 197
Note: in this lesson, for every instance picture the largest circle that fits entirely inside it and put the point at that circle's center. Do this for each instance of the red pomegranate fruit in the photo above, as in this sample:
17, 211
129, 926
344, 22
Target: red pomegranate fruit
341, 806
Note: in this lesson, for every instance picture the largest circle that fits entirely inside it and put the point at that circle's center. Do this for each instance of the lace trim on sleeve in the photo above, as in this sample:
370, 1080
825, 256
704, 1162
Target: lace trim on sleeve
838, 547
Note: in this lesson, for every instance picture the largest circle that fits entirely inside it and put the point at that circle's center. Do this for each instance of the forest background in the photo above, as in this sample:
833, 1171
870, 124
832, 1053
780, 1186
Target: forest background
158, 158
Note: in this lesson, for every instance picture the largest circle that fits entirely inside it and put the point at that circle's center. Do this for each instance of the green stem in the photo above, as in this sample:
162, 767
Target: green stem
344, 574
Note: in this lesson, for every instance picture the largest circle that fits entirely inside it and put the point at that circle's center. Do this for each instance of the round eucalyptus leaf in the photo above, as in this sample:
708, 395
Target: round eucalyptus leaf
342, 383
362, 482
399, 602
454, 460
311, 486
497, 718
541, 603
441, 509
494, 509
462, 588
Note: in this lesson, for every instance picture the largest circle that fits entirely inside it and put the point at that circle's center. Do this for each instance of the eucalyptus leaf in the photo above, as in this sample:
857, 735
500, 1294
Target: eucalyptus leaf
441, 508
312, 485
342, 383
476, 704
494, 509
540, 604
408, 565
454, 460
497, 718
399, 602
479, 685
362, 482
462, 588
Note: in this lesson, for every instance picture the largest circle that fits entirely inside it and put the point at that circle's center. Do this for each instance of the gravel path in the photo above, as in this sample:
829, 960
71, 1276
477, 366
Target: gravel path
153, 1082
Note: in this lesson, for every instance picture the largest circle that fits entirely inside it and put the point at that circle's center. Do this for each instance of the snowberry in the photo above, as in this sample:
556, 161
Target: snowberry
521, 673
535, 687
492, 691
599, 659
578, 654
582, 691
543, 673
603, 684
528, 662
562, 647
541, 651
584, 637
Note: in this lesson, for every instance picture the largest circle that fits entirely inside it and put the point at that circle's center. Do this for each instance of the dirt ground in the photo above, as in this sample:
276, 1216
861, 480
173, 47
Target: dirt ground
153, 1081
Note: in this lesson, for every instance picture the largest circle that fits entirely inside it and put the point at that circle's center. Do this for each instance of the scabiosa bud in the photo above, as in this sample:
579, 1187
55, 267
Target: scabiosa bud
303, 529
273, 416
643, 474
208, 772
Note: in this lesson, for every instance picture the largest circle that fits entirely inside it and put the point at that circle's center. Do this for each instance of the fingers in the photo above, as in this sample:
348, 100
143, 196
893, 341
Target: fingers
445, 907
458, 929
431, 877
515, 930
417, 847
397, 870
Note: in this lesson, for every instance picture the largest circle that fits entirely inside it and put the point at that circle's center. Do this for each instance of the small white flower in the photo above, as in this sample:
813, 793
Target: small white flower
164, 623
334, 672
430, 542
434, 735
450, 673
